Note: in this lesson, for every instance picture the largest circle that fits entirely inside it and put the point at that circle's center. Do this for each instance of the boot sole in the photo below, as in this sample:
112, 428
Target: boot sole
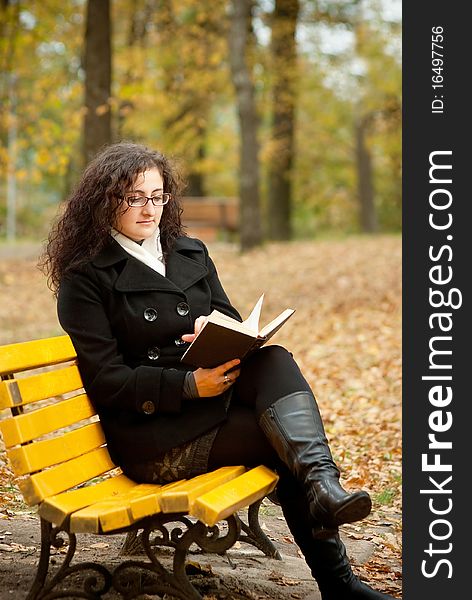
355, 509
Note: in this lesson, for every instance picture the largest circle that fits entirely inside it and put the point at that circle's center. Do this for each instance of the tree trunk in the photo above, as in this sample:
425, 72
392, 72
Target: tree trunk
250, 218
195, 182
365, 184
194, 185
284, 68
141, 14
97, 65
9, 27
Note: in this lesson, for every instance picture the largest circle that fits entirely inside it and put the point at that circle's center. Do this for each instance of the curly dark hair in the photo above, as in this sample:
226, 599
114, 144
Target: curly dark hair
82, 228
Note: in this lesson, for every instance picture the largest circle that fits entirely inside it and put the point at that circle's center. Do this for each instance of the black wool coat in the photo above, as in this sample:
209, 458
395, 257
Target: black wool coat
126, 322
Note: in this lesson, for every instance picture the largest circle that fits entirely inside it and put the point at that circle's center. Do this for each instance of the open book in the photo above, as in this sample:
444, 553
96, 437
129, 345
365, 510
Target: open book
223, 338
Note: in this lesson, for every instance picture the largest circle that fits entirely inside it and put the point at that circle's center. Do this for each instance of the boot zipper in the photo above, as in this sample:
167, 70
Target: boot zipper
283, 438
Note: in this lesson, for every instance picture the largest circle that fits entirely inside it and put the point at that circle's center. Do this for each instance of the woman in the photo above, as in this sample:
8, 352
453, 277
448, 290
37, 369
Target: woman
133, 291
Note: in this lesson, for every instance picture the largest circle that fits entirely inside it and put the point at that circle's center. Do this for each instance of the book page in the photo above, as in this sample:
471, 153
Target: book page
228, 322
252, 322
276, 324
221, 316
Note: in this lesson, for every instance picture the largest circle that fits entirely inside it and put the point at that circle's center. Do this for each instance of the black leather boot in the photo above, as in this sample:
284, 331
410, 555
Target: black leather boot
326, 558
333, 561
294, 428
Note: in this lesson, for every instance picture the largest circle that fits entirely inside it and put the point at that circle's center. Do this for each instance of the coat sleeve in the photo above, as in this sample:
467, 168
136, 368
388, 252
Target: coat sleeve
110, 383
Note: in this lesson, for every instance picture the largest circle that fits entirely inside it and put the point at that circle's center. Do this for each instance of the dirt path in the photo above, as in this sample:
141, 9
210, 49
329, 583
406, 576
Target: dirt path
20, 250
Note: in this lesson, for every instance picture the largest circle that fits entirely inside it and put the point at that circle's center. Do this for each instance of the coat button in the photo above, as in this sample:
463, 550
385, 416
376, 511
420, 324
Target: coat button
150, 314
148, 407
153, 353
183, 309
180, 342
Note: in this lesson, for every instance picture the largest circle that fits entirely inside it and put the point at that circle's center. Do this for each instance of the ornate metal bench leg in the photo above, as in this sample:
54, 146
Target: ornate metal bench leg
132, 544
209, 539
43, 564
93, 586
253, 533
134, 578
195, 534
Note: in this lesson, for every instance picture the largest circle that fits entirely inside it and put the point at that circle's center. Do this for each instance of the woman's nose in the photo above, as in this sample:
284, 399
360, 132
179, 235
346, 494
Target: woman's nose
149, 208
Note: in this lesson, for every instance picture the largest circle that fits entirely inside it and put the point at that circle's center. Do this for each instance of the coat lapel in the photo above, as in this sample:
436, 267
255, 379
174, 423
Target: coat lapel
181, 271
184, 271
138, 277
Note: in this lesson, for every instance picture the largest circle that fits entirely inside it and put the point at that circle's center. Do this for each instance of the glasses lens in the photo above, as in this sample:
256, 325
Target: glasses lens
159, 200
136, 200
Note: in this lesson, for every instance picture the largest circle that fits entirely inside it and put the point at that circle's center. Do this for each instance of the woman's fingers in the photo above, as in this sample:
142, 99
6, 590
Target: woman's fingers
212, 382
229, 378
199, 323
228, 372
227, 365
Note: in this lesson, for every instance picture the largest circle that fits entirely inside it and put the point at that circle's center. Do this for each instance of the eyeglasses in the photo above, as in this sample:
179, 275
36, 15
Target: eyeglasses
135, 201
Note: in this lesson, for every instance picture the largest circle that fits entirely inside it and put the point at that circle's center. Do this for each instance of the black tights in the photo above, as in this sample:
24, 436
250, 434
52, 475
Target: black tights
269, 374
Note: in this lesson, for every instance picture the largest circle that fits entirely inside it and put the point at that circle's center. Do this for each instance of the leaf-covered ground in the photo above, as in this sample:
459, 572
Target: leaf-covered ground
345, 335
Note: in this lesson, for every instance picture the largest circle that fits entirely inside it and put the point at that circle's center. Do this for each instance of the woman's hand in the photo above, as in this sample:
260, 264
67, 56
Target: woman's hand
199, 323
212, 382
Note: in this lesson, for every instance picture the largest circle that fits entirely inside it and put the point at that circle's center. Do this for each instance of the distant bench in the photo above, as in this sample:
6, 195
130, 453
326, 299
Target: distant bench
211, 217
58, 453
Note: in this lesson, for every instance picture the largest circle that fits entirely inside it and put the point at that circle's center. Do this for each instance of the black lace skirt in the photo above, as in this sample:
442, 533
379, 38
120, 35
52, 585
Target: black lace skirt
183, 462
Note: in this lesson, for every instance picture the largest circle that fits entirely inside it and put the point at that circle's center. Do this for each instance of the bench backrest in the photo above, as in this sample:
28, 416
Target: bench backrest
219, 212
51, 430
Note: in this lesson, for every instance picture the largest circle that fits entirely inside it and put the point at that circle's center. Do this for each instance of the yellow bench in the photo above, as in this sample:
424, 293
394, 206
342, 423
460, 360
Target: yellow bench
57, 451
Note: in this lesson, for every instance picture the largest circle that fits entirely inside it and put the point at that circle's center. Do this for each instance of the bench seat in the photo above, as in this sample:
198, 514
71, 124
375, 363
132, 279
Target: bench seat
118, 502
57, 450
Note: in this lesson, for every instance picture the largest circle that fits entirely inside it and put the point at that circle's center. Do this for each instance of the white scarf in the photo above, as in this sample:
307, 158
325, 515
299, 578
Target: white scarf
149, 252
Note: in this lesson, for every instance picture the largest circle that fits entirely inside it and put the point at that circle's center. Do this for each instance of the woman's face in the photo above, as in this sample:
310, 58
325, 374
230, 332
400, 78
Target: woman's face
140, 222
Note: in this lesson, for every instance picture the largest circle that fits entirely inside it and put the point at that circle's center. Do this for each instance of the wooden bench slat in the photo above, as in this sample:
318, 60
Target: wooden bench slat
233, 495
182, 496
37, 353
111, 513
34, 424
57, 508
145, 505
146, 499
139, 501
36, 488
45, 453
17, 392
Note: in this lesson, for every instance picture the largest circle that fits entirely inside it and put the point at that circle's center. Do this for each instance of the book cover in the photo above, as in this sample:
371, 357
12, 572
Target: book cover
222, 338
